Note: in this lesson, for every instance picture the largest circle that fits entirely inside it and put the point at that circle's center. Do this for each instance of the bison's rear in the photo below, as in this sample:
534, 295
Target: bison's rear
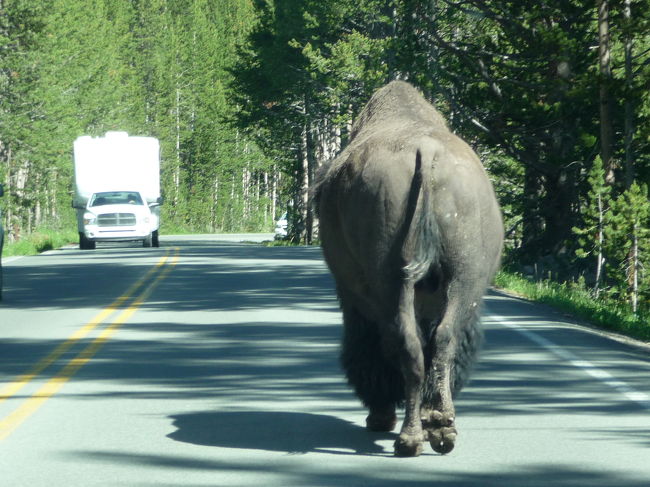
412, 233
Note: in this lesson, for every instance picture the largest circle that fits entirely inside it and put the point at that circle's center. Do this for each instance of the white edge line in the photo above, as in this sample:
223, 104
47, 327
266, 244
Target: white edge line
6, 260
629, 392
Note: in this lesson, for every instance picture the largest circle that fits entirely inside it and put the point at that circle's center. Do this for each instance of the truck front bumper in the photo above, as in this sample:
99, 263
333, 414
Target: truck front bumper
113, 234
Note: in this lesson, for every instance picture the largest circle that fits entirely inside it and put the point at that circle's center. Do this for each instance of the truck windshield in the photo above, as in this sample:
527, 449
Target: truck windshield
116, 198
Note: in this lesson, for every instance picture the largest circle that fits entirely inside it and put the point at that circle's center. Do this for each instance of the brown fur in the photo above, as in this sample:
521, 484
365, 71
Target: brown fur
412, 233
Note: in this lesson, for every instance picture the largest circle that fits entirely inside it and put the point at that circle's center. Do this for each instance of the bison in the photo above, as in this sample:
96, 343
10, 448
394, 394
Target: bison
412, 233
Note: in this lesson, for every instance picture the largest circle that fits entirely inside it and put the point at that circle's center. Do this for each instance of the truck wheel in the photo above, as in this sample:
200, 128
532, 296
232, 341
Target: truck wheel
85, 244
147, 241
154, 239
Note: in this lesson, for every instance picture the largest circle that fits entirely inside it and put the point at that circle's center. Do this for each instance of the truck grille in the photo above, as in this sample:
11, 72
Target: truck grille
116, 219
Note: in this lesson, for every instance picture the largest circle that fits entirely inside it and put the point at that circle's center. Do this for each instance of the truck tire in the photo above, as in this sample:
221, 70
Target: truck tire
154, 239
85, 244
147, 241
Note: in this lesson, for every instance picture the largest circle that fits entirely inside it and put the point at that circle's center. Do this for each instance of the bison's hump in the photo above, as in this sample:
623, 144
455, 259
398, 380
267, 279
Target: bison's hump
396, 101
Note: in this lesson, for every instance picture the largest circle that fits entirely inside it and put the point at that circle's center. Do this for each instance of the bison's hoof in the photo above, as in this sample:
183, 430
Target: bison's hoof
440, 431
443, 440
381, 422
407, 446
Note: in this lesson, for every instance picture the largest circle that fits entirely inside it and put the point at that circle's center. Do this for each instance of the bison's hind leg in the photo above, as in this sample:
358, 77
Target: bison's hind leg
453, 351
438, 421
376, 381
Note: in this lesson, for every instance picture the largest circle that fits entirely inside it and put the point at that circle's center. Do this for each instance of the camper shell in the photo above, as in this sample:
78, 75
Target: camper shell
117, 189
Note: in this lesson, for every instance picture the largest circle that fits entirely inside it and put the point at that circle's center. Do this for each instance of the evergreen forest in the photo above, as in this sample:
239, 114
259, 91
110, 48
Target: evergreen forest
248, 97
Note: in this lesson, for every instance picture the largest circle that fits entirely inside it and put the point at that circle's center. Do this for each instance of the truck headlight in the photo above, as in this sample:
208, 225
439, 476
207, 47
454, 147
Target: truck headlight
89, 219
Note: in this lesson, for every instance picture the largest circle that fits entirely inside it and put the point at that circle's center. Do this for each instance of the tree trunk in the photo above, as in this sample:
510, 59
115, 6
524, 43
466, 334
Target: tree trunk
245, 191
633, 270
605, 83
532, 221
213, 205
601, 243
275, 182
303, 190
8, 213
629, 107
177, 168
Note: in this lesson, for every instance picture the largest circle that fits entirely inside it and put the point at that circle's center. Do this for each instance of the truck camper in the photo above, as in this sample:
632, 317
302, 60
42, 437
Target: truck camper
117, 189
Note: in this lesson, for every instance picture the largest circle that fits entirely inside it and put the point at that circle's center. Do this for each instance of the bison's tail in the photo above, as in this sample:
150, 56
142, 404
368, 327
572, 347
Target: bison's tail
422, 253
420, 227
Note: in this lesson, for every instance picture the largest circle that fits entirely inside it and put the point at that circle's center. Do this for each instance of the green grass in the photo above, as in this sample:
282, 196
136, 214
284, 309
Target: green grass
579, 302
279, 243
40, 241
170, 228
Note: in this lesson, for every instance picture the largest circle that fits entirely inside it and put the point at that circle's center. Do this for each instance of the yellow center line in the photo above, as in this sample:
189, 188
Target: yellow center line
13, 387
49, 389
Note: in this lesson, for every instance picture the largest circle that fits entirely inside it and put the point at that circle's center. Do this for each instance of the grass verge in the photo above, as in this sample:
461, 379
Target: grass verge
39, 241
579, 302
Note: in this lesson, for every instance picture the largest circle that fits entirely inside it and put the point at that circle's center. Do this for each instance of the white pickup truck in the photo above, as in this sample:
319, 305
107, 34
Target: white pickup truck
117, 189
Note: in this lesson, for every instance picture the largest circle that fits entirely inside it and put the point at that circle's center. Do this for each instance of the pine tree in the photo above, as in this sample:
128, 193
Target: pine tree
72, 75
307, 69
628, 243
591, 235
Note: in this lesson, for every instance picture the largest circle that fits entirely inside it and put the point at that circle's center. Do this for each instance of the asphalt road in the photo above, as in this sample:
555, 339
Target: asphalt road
209, 362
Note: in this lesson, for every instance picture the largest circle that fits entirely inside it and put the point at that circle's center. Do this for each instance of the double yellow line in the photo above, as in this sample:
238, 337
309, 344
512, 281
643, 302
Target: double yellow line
128, 303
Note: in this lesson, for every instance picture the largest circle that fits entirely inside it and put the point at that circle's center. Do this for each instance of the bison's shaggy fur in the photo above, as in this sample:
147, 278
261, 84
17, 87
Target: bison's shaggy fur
412, 233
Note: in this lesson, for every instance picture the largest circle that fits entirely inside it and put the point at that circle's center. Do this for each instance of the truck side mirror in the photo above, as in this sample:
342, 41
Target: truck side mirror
158, 202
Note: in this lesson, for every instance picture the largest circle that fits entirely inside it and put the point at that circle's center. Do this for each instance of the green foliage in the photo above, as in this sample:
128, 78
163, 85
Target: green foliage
307, 68
616, 232
189, 51
520, 77
506, 174
577, 300
41, 240
591, 235
594, 211
150, 67
628, 244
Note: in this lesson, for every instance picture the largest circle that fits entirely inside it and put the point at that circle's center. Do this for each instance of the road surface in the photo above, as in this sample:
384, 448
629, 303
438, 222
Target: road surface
210, 362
